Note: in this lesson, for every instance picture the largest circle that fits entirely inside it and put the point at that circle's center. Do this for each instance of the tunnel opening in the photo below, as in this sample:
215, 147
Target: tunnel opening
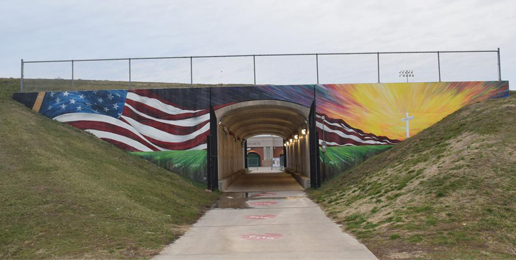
264, 153
283, 164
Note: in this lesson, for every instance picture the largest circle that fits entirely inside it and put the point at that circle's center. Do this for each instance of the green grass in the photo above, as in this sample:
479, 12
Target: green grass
190, 164
66, 194
447, 193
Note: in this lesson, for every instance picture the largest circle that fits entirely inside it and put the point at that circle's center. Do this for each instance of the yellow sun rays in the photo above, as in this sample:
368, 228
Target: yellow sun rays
379, 108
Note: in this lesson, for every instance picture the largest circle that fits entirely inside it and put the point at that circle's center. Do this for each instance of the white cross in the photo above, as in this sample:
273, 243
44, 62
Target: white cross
406, 120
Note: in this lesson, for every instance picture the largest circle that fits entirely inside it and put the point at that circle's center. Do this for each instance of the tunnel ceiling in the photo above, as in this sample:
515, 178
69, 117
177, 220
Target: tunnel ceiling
248, 121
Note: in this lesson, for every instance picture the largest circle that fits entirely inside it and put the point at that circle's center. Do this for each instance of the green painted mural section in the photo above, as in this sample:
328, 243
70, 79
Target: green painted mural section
337, 159
190, 164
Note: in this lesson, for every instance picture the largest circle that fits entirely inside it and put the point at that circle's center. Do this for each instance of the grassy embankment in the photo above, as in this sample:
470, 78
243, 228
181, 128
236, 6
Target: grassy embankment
447, 193
66, 194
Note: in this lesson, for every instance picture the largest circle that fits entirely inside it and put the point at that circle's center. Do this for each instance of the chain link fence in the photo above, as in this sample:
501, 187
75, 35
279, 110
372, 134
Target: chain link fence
275, 69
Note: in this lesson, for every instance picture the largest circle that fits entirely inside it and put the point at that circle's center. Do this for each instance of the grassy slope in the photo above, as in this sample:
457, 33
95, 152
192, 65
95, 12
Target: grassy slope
447, 193
66, 194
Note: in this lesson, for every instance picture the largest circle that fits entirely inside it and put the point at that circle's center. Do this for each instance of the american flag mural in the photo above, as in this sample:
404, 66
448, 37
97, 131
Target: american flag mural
134, 120
336, 132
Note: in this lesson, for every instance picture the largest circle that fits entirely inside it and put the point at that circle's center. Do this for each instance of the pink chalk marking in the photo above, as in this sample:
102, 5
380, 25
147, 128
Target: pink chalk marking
261, 237
265, 194
263, 203
260, 216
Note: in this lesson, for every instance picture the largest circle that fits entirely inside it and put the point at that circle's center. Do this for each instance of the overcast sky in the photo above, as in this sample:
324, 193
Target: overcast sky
64, 29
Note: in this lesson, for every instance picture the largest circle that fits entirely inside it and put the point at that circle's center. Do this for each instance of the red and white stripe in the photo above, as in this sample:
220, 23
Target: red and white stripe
339, 133
147, 124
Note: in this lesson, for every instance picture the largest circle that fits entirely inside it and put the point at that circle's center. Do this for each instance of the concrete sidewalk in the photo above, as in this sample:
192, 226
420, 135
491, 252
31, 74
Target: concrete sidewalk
266, 225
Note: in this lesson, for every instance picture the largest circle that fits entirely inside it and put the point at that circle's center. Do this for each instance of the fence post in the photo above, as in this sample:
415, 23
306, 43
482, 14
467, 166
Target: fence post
191, 70
439, 64
317, 67
21, 79
73, 71
499, 66
254, 68
378, 59
129, 71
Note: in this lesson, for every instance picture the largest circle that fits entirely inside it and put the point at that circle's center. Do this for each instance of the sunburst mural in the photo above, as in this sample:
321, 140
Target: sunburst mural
380, 108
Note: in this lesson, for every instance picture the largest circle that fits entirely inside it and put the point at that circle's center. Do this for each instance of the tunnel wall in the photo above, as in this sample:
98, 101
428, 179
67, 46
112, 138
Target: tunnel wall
166, 126
231, 154
358, 121
169, 126
298, 154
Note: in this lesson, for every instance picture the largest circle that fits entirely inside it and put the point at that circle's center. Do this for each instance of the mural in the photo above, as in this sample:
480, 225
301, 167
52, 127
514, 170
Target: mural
357, 121
299, 94
166, 126
170, 126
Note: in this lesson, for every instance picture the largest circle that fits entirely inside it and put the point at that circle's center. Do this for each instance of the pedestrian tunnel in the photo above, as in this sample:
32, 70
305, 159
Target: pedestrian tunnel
240, 121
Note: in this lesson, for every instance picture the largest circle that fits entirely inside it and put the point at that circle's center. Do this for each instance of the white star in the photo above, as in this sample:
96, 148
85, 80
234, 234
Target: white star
110, 96
49, 107
65, 94
96, 111
119, 114
88, 104
58, 99
95, 92
63, 106
106, 109
81, 96
100, 100
52, 94
118, 95
79, 108
115, 106
72, 101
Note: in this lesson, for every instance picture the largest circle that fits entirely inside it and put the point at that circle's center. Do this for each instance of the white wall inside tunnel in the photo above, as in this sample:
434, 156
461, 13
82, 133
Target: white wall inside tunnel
298, 155
231, 154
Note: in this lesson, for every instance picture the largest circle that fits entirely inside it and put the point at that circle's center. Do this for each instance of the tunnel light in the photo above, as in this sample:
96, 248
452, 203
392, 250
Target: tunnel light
285, 144
296, 137
291, 140
220, 122
303, 131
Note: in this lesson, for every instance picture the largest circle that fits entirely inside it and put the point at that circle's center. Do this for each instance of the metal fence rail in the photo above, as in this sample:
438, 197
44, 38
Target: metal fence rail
302, 68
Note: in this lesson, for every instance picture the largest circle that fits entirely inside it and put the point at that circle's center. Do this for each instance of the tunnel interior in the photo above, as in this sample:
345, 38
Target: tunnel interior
238, 122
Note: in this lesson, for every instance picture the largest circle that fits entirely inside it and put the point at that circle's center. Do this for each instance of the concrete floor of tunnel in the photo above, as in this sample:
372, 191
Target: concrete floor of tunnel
264, 180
